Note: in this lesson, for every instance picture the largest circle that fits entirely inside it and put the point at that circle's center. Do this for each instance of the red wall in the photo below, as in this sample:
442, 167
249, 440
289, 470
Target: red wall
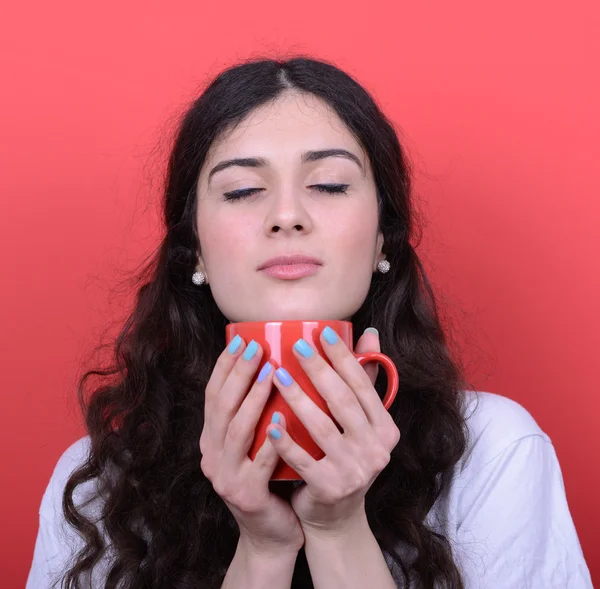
499, 108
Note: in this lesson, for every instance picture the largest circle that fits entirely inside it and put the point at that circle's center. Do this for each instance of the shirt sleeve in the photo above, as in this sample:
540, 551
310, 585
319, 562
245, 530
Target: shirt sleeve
57, 543
47, 558
514, 529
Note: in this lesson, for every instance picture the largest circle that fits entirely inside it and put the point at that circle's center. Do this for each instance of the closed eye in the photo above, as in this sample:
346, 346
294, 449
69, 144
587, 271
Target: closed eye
331, 188
327, 188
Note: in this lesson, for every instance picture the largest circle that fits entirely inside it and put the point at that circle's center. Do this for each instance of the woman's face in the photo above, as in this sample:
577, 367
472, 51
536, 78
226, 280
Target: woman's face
285, 214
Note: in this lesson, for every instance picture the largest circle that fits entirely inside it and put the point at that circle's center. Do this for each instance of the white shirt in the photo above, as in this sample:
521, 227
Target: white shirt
505, 511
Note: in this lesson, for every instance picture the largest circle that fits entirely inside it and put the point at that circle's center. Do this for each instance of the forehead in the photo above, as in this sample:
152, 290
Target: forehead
293, 122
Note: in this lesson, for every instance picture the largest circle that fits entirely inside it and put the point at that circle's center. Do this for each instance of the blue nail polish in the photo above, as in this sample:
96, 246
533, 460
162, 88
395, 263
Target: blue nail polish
275, 434
275, 418
330, 335
250, 350
235, 344
302, 347
266, 369
284, 376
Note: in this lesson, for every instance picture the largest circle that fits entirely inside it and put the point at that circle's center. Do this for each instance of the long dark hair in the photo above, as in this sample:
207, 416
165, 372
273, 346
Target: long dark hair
145, 416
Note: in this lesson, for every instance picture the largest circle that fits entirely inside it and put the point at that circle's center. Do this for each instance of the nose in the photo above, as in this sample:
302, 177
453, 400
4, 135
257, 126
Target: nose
287, 215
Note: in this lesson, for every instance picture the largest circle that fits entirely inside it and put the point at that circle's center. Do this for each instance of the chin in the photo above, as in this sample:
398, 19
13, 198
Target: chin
300, 306
300, 313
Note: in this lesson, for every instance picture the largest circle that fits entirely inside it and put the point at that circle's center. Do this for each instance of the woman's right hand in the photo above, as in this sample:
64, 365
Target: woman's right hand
267, 522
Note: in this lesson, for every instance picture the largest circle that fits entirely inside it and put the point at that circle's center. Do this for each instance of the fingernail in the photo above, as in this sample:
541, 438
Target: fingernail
275, 418
372, 330
275, 434
266, 369
303, 348
250, 350
330, 335
235, 344
284, 376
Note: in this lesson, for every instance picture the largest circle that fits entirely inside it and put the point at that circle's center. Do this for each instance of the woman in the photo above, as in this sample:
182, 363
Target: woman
452, 488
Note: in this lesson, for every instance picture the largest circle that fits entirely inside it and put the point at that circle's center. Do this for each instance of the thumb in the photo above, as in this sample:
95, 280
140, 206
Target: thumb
369, 342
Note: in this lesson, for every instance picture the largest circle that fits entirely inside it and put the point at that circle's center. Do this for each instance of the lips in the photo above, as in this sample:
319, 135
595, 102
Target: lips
290, 261
291, 267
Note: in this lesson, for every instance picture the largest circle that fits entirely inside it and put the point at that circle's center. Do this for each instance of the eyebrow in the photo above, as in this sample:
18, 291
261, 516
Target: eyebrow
307, 156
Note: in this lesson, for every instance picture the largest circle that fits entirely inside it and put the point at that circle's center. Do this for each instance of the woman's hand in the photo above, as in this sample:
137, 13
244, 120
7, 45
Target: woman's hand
333, 497
267, 522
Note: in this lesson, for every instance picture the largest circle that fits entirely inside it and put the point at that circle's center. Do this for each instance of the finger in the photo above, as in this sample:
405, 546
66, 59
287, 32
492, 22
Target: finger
242, 428
353, 374
319, 425
266, 458
233, 391
341, 401
292, 454
225, 362
369, 342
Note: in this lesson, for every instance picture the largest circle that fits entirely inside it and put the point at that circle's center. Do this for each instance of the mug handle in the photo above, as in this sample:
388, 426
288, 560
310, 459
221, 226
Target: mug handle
390, 370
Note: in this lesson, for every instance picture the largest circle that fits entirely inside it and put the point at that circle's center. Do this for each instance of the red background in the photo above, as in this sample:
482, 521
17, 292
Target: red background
498, 107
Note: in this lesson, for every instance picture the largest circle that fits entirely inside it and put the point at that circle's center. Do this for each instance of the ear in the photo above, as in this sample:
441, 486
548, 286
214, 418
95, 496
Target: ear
378, 249
201, 268
379, 242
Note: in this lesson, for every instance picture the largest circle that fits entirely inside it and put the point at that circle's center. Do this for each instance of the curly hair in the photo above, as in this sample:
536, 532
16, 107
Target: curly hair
162, 518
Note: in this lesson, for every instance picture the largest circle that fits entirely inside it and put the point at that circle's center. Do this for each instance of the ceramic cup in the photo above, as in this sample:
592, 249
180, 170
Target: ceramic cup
277, 339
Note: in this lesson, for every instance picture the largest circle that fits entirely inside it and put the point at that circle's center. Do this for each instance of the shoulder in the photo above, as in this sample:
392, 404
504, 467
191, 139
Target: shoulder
73, 456
494, 424
69, 461
505, 507
57, 540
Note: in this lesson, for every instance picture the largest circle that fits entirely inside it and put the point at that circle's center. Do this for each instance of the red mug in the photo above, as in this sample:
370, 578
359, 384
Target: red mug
277, 339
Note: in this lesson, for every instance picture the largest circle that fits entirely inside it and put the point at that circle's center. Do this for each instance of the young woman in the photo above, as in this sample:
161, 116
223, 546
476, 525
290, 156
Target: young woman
452, 488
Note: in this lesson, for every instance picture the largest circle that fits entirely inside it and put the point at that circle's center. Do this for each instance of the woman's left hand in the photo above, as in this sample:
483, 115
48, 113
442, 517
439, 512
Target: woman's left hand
333, 497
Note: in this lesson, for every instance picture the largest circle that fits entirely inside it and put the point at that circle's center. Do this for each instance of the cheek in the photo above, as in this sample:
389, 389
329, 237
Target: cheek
355, 236
224, 241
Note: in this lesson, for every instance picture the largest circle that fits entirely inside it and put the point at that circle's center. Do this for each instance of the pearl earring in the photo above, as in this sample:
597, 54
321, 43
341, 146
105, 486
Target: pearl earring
383, 266
198, 278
